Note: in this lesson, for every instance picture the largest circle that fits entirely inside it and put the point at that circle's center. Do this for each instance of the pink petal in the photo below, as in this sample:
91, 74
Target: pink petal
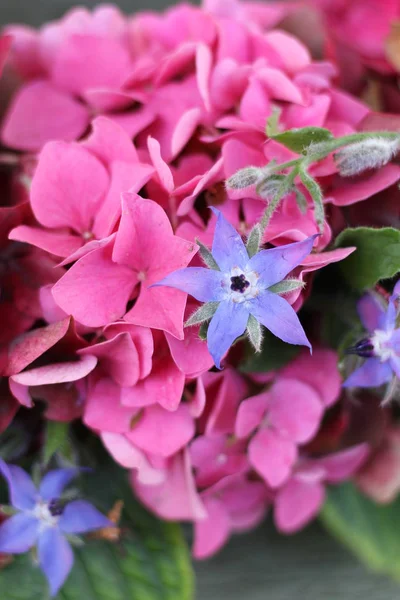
212, 176
109, 142
349, 191
320, 371
279, 86
294, 54
118, 358
162, 432
95, 290
341, 465
163, 170
296, 504
255, 105
103, 410
60, 244
250, 414
124, 453
198, 402
177, 497
204, 59
110, 100
86, 61
40, 113
5, 43
211, 533
379, 478
191, 354
143, 340
57, 372
272, 456
295, 410
21, 393
230, 390
184, 129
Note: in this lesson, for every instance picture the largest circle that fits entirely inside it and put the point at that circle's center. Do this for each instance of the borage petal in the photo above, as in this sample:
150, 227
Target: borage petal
55, 558
80, 517
278, 316
53, 484
372, 373
227, 324
18, 533
228, 248
21, 488
203, 284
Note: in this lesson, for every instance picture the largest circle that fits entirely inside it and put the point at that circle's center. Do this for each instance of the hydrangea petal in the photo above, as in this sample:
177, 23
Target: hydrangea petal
55, 558
272, 456
278, 316
18, 533
297, 503
211, 533
228, 323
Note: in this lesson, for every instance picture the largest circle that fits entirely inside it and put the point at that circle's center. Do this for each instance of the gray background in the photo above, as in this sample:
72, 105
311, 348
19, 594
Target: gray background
261, 565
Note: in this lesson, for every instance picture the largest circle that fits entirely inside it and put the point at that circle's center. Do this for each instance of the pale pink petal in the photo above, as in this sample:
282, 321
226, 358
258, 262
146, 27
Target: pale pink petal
57, 372
40, 113
211, 533
204, 59
177, 497
295, 409
272, 456
124, 453
21, 393
296, 504
162, 432
250, 414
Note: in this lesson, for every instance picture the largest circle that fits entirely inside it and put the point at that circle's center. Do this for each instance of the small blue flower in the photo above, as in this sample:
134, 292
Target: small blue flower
241, 287
381, 348
43, 520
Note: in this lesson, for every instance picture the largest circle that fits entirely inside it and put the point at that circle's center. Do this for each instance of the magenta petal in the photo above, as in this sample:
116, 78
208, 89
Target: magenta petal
95, 290
118, 357
295, 410
372, 373
110, 142
191, 354
40, 113
341, 465
273, 265
276, 314
228, 323
163, 170
103, 410
55, 557
67, 173
162, 432
297, 503
19, 533
272, 456
211, 533
60, 244
365, 186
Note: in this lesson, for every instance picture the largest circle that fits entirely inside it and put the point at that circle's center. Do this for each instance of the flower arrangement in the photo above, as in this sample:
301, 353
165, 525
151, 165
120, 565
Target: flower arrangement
193, 210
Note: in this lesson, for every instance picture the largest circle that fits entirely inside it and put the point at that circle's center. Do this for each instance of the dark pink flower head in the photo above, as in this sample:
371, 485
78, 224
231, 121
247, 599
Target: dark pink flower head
75, 191
97, 288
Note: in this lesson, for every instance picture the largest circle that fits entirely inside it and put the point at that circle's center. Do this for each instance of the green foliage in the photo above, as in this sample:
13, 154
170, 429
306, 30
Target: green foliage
299, 140
56, 440
377, 256
274, 355
371, 531
150, 562
254, 240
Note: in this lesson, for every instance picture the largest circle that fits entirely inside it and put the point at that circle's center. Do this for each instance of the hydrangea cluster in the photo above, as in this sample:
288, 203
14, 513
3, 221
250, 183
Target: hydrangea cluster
117, 229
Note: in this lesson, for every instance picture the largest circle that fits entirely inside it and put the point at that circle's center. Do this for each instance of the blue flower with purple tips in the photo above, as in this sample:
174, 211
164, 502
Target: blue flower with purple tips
44, 521
381, 347
243, 288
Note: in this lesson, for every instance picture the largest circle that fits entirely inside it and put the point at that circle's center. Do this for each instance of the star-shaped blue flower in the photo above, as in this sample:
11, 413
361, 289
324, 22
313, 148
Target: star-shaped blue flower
241, 286
381, 348
43, 520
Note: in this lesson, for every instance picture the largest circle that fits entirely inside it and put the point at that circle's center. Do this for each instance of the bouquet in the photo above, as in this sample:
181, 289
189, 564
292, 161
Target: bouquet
199, 288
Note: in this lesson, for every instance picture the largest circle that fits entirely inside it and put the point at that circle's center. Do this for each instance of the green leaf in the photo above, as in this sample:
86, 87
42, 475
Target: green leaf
370, 530
272, 128
299, 140
150, 562
377, 256
274, 355
56, 440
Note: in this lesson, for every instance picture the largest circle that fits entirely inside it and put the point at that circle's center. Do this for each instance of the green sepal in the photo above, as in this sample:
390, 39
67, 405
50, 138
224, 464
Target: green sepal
254, 240
255, 333
203, 313
207, 257
286, 286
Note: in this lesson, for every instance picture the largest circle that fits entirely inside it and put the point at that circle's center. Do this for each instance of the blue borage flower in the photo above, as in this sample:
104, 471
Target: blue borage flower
243, 288
382, 347
43, 520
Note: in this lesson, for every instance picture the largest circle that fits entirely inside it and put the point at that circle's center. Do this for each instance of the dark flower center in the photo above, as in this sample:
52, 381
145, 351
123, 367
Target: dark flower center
239, 283
56, 507
364, 348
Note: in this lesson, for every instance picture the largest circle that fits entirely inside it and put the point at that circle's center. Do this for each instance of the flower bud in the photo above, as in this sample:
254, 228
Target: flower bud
371, 153
269, 187
244, 177
363, 348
